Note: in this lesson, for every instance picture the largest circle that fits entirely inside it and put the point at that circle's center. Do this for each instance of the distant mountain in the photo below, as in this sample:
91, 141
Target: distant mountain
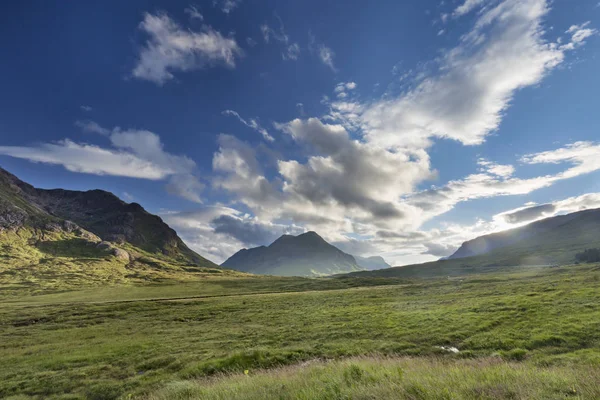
487, 243
372, 263
552, 241
307, 254
96, 234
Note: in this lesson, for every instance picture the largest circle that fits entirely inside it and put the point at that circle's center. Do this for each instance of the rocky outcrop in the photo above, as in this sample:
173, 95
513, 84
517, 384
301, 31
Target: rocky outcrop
95, 215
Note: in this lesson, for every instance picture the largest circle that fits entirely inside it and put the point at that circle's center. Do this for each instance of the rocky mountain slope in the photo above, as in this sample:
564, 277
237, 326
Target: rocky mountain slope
307, 254
60, 237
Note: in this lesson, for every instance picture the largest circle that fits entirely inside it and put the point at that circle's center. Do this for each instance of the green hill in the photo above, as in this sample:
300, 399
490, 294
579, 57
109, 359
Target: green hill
55, 239
557, 243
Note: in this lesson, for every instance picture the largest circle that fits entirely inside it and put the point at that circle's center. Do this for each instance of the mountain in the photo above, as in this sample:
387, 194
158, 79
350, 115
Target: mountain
552, 241
372, 263
487, 243
307, 254
85, 237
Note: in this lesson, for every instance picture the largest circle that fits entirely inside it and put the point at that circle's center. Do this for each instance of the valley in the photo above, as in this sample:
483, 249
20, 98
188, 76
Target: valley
116, 344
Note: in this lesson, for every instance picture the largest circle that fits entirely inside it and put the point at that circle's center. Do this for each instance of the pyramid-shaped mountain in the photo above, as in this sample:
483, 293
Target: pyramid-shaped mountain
307, 254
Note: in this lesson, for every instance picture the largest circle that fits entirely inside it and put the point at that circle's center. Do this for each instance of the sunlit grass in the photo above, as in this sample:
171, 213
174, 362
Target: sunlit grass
395, 378
52, 348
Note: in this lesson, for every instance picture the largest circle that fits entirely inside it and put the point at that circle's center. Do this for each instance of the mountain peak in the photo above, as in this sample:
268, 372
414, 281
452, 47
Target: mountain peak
307, 254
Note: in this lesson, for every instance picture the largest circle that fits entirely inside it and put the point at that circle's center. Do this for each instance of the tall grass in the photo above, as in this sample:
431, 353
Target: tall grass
395, 378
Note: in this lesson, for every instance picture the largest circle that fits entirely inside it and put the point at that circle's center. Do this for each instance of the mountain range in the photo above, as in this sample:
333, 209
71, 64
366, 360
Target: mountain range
307, 254
57, 238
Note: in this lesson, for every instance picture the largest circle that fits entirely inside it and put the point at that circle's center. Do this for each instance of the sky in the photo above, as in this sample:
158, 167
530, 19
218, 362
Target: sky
394, 128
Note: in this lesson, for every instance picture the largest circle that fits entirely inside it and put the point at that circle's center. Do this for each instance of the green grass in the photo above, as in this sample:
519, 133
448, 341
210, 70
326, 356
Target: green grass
395, 378
543, 321
39, 261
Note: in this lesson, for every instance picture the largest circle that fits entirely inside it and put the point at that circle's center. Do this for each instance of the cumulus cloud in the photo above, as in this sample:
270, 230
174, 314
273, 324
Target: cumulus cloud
170, 48
251, 123
579, 33
348, 173
219, 231
186, 186
250, 231
238, 171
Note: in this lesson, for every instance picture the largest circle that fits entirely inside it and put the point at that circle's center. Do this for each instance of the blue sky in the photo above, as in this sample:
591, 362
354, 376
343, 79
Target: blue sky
398, 129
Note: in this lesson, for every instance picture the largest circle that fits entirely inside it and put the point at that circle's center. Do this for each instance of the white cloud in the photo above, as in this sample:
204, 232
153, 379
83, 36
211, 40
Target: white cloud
128, 197
219, 231
85, 108
227, 6
503, 171
327, 55
475, 82
579, 33
92, 127
239, 172
170, 48
292, 52
91, 159
343, 86
134, 154
251, 123
497, 180
363, 161
467, 7
193, 12
186, 186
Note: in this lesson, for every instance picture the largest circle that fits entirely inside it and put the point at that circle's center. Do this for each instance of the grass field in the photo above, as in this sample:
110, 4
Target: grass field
396, 378
133, 342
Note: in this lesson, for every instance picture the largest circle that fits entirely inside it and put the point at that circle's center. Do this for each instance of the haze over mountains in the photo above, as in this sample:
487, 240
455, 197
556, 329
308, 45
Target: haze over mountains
307, 254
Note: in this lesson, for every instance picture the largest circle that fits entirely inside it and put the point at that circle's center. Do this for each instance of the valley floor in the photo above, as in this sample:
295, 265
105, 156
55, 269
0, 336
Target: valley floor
526, 333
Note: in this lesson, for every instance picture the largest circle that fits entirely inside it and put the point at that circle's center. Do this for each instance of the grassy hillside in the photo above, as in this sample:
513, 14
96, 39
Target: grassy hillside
37, 261
545, 319
553, 247
24, 207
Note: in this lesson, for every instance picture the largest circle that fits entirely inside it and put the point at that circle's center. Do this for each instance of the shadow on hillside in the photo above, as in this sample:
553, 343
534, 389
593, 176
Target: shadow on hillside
75, 247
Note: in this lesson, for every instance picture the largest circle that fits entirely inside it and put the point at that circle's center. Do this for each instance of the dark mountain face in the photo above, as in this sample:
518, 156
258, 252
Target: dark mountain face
487, 243
97, 211
303, 255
